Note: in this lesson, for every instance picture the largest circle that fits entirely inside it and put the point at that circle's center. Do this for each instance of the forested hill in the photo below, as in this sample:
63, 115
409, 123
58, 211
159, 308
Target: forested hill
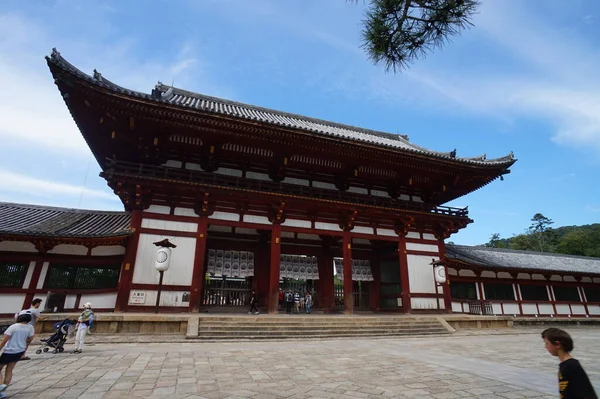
572, 240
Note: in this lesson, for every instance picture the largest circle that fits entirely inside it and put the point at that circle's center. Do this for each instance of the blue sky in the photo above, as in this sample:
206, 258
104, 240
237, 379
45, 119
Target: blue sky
524, 79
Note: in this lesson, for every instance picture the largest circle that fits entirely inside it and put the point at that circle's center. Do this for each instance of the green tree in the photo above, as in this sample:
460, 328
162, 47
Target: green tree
495, 241
397, 32
540, 234
573, 243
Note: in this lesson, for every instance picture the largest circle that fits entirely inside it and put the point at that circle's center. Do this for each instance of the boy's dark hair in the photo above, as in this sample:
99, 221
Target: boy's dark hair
557, 335
36, 301
24, 318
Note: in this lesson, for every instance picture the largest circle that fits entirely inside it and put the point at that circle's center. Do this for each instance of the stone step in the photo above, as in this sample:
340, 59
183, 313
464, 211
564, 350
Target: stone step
320, 336
308, 327
334, 331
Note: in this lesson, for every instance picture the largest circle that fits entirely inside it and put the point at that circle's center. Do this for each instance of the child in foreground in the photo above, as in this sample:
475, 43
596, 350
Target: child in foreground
573, 382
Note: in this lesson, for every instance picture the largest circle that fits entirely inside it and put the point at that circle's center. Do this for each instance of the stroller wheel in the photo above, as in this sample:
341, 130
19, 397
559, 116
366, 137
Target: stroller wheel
55, 351
46, 349
37, 352
61, 350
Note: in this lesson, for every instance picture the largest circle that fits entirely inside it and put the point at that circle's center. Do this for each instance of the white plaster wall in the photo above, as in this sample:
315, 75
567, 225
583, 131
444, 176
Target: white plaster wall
563, 309
17, 246
255, 219
578, 309
504, 275
69, 249
70, 301
411, 246
569, 278
555, 278
257, 176
466, 273
596, 279
488, 274
537, 277
29, 275
358, 190
182, 261
100, 301
497, 308
230, 172
586, 279
11, 303
43, 273
452, 272
594, 309
425, 303
404, 197
171, 163
167, 298
414, 198
161, 209
108, 250
529, 308
546, 308
169, 225
379, 193
413, 234
328, 186
193, 166
225, 216
511, 308
327, 226
363, 230
185, 212
457, 307
420, 274
299, 182
429, 236
297, 223
386, 232
523, 276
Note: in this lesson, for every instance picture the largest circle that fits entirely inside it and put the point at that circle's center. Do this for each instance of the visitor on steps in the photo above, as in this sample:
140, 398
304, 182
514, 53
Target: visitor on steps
296, 302
573, 382
289, 300
84, 322
34, 311
253, 308
15, 342
307, 302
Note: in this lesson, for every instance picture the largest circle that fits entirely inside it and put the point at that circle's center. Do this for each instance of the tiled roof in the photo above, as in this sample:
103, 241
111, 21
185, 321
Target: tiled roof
186, 99
511, 259
46, 221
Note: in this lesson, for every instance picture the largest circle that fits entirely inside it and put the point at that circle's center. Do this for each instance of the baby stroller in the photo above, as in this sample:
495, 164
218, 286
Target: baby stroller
63, 330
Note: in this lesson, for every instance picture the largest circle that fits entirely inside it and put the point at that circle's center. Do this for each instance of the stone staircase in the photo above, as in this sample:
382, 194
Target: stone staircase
222, 328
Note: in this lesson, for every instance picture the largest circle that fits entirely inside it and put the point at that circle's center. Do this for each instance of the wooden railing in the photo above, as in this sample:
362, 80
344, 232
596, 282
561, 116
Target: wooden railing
193, 176
481, 308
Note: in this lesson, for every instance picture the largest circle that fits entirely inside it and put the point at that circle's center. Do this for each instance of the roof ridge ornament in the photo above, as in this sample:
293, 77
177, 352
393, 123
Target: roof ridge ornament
97, 75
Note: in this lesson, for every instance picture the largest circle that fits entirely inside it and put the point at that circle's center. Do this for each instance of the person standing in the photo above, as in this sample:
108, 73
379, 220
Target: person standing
308, 301
573, 382
35, 313
15, 342
253, 308
84, 322
296, 302
289, 299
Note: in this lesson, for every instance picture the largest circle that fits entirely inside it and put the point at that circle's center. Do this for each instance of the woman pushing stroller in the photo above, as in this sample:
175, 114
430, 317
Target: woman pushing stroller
84, 323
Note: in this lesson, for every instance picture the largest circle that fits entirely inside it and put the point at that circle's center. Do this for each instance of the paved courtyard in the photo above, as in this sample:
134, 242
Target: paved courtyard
485, 366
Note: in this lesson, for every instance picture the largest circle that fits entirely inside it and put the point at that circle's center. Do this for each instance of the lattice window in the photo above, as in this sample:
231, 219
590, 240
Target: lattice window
248, 150
568, 294
316, 161
82, 278
592, 294
500, 292
179, 138
463, 291
376, 171
12, 274
531, 292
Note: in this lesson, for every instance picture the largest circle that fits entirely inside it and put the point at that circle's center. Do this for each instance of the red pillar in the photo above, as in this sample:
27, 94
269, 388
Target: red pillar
403, 262
446, 286
198, 276
375, 285
325, 287
274, 269
129, 261
347, 262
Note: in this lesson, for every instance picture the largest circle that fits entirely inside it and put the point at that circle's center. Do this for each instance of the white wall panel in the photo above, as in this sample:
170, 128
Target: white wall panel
497, 309
586, 279
511, 308
466, 273
523, 276
161, 209
594, 309
297, 223
578, 309
504, 275
100, 301
29, 274
299, 182
69, 249
556, 277
420, 274
563, 309
429, 236
411, 246
358, 190
167, 298
257, 176
17, 246
457, 307
11, 303
182, 261
529, 308
569, 278
546, 308
108, 250
256, 219
386, 232
363, 230
327, 226
413, 234
425, 303
452, 272
488, 274
537, 277
226, 216
185, 212
70, 301
43, 273
169, 225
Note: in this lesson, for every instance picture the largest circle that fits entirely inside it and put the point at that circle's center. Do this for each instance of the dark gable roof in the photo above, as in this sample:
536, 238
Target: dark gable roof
200, 102
511, 259
46, 221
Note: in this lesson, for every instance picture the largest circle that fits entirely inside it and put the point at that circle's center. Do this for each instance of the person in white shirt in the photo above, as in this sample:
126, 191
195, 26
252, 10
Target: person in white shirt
84, 322
35, 313
15, 342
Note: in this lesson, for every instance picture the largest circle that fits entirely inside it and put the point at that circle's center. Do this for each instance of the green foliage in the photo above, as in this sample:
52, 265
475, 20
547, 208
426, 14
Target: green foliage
396, 32
571, 240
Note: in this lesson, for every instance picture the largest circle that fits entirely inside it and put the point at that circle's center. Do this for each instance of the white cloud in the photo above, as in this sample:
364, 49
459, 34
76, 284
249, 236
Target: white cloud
592, 208
18, 183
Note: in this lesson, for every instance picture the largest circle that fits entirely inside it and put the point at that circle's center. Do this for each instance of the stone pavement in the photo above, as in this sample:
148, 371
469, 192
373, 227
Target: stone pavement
506, 366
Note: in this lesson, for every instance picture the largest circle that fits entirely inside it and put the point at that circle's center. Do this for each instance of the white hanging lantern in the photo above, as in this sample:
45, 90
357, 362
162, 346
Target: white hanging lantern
163, 259
440, 274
